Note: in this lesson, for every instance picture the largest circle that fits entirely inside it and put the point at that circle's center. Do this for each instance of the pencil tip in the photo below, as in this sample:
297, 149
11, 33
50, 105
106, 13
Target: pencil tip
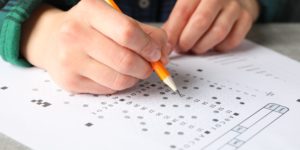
179, 93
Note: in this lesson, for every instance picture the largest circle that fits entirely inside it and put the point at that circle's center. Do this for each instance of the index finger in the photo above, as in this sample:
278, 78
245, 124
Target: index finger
178, 19
121, 29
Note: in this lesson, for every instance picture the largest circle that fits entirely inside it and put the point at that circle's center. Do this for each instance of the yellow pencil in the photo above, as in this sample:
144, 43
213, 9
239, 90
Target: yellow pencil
158, 67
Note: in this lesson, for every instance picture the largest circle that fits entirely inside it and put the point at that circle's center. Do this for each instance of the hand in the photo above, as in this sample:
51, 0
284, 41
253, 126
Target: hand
91, 48
200, 25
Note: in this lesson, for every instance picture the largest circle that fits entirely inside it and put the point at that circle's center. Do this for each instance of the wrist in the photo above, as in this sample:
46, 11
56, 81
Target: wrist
36, 33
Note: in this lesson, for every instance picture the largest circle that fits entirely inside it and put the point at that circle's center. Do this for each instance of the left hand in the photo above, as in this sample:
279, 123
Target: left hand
200, 25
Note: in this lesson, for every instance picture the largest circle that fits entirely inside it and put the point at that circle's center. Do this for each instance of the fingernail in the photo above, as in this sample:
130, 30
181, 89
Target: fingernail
155, 54
165, 59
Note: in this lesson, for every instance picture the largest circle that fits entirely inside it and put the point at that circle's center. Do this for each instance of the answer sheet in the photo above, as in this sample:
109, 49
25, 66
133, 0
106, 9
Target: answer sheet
247, 99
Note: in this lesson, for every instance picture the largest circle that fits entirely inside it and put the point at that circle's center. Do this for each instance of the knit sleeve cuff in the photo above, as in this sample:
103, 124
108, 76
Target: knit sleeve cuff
11, 29
270, 9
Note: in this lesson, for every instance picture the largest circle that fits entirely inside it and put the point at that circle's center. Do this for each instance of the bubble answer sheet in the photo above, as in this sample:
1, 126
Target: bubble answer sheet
248, 99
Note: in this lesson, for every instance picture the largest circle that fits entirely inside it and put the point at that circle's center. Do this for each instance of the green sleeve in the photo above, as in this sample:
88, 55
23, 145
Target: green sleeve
271, 10
12, 14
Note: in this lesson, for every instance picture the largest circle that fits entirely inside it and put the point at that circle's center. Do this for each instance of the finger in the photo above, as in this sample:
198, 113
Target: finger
239, 32
106, 76
159, 36
200, 22
88, 86
220, 29
178, 19
121, 29
119, 58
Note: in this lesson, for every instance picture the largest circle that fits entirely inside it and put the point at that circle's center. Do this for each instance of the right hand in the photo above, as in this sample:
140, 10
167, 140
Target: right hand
92, 48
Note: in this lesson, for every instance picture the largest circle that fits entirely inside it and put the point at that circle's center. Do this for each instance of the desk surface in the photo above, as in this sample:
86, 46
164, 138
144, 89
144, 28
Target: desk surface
283, 38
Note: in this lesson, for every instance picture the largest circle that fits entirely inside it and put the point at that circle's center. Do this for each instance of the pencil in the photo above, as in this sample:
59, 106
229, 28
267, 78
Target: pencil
158, 67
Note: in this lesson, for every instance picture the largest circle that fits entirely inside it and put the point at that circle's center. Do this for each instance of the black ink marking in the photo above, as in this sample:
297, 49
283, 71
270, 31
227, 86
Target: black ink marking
89, 124
215, 120
162, 105
41, 103
186, 81
4, 88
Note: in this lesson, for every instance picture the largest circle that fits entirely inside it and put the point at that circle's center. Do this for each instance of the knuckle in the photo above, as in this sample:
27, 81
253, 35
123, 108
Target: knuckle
69, 28
201, 21
247, 16
220, 31
127, 31
185, 44
126, 62
122, 82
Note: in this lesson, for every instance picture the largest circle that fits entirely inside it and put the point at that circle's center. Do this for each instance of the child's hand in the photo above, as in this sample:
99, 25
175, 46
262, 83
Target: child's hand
200, 25
91, 48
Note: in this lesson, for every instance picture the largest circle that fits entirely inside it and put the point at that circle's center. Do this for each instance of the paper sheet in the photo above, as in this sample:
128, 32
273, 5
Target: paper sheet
247, 99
